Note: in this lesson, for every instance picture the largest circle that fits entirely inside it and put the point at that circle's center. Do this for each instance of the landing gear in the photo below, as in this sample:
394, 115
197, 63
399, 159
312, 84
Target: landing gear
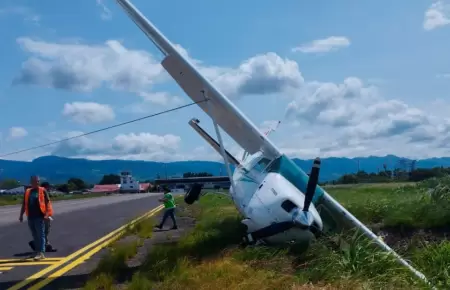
193, 193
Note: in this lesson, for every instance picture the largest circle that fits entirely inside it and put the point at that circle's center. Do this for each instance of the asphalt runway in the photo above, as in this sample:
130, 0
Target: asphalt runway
76, 224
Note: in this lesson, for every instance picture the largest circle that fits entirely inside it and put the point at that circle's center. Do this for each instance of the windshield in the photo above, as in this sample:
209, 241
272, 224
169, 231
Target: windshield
262, 164
289, 170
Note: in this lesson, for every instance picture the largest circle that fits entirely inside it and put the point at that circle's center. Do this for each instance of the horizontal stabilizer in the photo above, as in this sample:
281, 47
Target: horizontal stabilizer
211, 141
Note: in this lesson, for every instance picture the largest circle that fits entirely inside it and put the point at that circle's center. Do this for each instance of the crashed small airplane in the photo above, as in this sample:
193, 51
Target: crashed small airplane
279, 201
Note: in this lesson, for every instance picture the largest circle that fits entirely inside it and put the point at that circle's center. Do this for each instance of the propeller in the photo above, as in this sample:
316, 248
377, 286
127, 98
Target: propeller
304, 218
301, 218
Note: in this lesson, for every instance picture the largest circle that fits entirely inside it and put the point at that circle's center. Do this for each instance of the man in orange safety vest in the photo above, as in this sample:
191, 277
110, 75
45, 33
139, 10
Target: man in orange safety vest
38, 207
47, 223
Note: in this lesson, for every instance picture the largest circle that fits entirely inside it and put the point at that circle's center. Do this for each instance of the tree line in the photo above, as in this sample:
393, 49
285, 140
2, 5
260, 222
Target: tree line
77, 184
397, 175
196, 174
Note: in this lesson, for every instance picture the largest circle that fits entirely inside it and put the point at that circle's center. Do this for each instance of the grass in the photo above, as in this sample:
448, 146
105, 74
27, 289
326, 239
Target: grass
113, 266
407, 205
17, 199
209, 256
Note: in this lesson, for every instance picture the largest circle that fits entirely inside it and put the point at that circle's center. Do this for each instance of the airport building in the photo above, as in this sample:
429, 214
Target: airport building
13, 191
127, 185
182, 184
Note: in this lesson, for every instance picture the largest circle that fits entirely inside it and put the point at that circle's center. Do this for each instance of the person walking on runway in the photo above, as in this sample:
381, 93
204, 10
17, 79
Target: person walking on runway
37, 207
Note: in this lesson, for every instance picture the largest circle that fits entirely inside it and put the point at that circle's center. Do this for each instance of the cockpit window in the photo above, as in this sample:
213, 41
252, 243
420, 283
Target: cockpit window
288, 205
289, 170
261, 164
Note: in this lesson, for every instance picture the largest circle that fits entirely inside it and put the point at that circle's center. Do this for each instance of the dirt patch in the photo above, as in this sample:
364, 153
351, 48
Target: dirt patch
164, 236
400, 237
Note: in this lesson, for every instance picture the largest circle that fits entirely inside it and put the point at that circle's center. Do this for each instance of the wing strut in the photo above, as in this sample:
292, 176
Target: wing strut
219, 138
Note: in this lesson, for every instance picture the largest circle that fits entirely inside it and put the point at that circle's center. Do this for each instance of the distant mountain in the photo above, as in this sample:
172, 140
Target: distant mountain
59, 169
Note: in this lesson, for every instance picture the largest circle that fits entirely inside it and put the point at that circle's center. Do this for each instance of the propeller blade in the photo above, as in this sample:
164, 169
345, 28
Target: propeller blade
268, 231
312, 183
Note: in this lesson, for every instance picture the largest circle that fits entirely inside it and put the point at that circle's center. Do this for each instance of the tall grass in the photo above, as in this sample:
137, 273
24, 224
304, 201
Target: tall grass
422, 205
209, 256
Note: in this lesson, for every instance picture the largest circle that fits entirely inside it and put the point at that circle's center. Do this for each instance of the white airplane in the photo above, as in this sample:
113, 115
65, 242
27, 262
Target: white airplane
279, 201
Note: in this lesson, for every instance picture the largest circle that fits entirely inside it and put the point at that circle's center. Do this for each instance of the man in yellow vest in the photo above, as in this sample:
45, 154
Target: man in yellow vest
169, 205
38, 207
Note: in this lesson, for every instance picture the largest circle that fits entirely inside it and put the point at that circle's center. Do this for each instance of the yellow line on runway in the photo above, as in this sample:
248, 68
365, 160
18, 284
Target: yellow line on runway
79, 260
5, 268
31, 263
28, 259
79, 252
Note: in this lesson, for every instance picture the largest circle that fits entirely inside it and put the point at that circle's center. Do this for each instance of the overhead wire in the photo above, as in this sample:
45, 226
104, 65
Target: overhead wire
102, 129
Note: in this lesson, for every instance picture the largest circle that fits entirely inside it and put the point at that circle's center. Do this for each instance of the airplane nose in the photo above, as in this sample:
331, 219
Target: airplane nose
302, 219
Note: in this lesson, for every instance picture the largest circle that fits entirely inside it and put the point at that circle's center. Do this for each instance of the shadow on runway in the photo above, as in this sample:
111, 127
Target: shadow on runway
24, 254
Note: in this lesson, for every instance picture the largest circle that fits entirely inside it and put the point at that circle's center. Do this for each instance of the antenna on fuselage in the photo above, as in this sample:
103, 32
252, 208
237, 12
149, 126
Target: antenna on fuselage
267, 133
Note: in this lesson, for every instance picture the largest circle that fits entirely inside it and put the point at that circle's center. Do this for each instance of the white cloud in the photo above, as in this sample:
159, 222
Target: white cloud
443, 76
437, 15
25, 12
262, 74
141, 146
106, 13
17, 132
83, 68
152, 100
323, 45
161, 98
350, 118
353, 119
258, 75
88, 112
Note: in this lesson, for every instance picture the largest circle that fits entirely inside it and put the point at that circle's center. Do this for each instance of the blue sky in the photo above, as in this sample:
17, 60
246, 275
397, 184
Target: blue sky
346, 78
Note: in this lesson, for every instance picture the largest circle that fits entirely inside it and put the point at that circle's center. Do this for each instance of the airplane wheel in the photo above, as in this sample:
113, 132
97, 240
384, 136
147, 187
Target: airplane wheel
193, 193
315, 231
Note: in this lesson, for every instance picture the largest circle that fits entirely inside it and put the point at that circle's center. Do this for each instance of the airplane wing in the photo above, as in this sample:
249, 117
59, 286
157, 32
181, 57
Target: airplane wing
200, 89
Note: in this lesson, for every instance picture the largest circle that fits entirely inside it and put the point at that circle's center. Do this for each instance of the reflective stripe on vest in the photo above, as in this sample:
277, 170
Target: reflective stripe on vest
41, 198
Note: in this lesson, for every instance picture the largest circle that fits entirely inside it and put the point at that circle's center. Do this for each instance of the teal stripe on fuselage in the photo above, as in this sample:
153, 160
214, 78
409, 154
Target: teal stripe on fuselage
292, 172
246, 178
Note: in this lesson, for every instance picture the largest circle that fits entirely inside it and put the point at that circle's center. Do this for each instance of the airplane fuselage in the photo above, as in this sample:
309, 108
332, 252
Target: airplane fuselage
264, 196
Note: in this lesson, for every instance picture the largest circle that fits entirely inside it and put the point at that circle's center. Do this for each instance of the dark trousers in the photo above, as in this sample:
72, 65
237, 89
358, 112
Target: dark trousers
37, 228
170, 212
47, 230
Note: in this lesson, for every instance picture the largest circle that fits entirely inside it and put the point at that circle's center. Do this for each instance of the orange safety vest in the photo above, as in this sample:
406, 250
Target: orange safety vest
47, 211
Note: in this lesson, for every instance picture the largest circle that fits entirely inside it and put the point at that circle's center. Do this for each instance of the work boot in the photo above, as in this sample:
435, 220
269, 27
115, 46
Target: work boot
39, 256
174, 228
